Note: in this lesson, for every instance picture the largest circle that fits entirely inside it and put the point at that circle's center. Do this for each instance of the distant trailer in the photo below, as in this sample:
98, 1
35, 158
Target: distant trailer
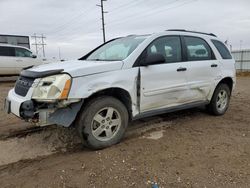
15, 40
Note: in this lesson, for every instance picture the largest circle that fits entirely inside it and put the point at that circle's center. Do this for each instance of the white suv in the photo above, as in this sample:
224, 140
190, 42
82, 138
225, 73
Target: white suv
125, 79
14, 58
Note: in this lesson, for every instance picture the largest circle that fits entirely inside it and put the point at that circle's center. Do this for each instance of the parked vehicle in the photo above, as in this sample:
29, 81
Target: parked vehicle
14, 58
125, 79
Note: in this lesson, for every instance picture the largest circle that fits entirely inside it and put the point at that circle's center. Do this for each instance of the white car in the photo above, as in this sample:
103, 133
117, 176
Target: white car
14, 58
125, 79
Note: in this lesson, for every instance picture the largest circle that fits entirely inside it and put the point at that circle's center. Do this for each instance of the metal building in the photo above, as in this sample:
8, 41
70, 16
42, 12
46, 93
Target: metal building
242, 58
15, 40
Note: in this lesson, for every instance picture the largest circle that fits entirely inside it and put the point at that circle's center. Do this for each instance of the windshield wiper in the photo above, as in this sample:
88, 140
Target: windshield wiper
103, 59
95, 59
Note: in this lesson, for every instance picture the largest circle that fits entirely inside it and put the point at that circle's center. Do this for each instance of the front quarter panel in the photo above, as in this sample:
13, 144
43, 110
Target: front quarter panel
84, 87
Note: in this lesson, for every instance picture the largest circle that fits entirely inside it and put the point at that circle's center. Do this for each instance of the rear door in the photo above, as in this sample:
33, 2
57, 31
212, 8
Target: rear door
203, 68
164, 85
7, 61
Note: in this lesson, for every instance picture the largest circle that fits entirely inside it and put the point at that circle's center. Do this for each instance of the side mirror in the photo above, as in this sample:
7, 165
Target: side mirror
153, 59
34, 56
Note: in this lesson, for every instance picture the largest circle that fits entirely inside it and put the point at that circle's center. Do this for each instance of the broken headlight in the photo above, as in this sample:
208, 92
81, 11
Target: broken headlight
52, 88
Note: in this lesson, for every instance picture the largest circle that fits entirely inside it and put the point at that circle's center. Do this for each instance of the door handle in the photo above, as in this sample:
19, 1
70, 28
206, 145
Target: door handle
181, 69
19, 60
214, 65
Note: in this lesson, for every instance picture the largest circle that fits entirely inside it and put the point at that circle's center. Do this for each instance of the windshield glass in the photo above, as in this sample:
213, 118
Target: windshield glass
117, 50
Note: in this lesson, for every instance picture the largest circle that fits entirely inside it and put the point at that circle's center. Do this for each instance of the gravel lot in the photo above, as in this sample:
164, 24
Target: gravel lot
183, 149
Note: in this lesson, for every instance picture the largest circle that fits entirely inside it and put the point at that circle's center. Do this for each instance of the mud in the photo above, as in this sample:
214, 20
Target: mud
189, 149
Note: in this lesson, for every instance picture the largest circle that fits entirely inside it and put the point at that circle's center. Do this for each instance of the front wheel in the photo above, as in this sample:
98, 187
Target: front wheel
103, 122
220, 100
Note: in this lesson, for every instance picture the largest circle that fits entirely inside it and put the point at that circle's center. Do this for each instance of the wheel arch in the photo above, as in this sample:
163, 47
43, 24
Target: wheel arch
116, 92
228, 81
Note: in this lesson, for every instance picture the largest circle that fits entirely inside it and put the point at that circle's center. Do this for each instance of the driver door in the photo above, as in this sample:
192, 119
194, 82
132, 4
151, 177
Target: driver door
164, 85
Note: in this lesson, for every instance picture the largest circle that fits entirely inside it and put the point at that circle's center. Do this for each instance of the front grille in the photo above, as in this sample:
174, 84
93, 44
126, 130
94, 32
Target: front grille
22, 85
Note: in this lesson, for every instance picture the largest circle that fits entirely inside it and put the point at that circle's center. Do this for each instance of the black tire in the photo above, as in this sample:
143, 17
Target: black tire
85, 122
213, 107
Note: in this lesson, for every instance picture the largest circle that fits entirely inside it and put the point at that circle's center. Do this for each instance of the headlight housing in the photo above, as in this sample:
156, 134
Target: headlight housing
52, 88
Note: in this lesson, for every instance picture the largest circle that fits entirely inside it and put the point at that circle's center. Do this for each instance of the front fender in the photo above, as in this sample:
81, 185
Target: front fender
86, 86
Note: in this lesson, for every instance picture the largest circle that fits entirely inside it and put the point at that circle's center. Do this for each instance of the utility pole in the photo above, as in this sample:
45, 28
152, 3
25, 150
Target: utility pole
35, 44
59, 53
39, 43
103, 20
43, 44
241, 45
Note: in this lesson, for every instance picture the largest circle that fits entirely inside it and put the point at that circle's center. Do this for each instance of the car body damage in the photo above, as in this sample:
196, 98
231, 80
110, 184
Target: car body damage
64, 116
84, 87
55, 93
125, 79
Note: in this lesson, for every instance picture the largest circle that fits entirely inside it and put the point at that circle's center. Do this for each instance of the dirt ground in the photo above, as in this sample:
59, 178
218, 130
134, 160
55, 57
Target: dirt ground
182, 149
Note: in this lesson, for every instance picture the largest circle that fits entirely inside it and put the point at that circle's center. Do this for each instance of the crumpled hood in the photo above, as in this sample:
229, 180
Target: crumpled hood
80, 68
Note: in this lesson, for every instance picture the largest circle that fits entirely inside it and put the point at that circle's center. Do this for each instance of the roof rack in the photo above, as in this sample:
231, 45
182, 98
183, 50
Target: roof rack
183, 30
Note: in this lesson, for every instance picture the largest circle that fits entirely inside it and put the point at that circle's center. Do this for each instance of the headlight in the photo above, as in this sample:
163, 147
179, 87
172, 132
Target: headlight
52, 88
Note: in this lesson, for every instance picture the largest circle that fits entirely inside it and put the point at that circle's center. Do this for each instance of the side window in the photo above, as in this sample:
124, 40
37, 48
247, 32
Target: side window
169, 47
20, 52
224, 52
197, 49
6, 51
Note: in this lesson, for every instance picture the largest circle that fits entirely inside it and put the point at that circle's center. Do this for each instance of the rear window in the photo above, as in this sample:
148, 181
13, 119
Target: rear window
7, 51
224, 52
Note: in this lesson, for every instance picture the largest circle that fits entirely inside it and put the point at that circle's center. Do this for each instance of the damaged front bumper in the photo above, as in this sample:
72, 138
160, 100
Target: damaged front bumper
61, 112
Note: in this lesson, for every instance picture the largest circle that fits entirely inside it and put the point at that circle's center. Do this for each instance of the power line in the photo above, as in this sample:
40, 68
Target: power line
156, 11
137, 14
74, 29
39, 43
103, 21
126, 5
69, 22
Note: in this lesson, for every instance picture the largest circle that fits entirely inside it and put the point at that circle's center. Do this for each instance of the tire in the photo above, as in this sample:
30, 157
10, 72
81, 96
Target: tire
220, 100
102, 122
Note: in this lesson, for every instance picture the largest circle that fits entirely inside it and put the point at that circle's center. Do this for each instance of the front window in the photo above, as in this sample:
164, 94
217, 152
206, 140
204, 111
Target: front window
20, 52
116, 50
169, 47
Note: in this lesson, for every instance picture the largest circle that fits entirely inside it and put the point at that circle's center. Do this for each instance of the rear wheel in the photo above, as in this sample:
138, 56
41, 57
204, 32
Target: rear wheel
103, 122
220, 100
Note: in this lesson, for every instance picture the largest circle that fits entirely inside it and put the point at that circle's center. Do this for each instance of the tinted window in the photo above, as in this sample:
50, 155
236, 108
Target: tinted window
20, 52
169, 47
6, 51
197, 49
224, 52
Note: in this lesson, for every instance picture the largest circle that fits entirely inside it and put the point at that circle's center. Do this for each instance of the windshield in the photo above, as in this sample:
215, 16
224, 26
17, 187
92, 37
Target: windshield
117, 50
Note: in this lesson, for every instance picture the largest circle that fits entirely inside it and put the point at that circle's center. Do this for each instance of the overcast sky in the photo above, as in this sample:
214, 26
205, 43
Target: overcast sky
75, 25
